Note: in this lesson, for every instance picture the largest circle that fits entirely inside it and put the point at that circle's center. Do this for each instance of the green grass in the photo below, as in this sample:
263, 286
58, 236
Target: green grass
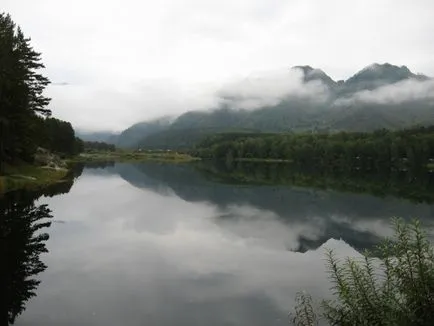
263, 160
124, 156
26, 176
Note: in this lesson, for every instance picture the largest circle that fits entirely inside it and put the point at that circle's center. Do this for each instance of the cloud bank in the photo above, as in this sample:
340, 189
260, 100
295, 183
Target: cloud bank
117, 107
269, 88
128, 104
410, 90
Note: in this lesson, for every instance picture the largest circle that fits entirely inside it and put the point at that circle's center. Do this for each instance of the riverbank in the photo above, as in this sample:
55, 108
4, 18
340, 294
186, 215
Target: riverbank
262, 160
26, 176
120, 156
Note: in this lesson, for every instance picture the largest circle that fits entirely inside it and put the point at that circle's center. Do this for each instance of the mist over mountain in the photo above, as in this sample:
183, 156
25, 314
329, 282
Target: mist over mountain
98, 136
312, 74
299, 99
377, 75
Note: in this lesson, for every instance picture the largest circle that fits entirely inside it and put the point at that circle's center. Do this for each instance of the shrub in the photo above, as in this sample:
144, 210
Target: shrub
394, 285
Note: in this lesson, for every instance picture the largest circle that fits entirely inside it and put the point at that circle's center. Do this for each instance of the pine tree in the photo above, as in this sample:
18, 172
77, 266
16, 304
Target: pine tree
7, 28
21, 93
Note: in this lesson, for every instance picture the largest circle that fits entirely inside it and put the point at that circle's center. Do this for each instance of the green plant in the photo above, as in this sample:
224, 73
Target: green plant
392, 286
304, 314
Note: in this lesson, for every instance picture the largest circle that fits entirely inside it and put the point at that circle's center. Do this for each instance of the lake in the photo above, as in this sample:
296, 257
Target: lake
162, 244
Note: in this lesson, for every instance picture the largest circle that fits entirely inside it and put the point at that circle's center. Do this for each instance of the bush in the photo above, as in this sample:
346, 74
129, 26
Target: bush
392, 286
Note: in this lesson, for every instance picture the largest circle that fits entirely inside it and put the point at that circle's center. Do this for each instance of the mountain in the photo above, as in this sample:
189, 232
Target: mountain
129, 138
100, 136
377, 75
182, 139
364, 102
313, 74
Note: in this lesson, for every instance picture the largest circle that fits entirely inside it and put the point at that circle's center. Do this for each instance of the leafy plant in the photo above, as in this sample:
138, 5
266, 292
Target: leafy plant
392, 286
304, 314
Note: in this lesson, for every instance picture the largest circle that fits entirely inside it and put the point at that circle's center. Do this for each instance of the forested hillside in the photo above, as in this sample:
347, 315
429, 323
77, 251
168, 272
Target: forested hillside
109, 137
129, 137
25, 121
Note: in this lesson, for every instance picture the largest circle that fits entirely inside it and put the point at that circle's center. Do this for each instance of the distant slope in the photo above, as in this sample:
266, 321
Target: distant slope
179, 139
131, 137
312, 74
99, 136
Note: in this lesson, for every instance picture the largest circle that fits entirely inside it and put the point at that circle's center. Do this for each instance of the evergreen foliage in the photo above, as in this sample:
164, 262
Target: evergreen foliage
98, 146
24, 116
379, 150
57, 136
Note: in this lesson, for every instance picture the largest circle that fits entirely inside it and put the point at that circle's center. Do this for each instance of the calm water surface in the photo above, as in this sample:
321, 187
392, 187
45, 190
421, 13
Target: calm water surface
155, 244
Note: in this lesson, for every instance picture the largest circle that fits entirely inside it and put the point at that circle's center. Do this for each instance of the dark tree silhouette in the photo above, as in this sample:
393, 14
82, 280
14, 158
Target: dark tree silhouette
98, 146
24, 115
21, 92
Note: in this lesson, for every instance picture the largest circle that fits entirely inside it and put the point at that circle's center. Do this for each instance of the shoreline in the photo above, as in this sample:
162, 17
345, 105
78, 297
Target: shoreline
30, 177
173, 157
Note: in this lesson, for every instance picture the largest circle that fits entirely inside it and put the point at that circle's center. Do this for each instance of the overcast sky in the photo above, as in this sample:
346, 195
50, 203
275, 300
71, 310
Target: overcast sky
128, 60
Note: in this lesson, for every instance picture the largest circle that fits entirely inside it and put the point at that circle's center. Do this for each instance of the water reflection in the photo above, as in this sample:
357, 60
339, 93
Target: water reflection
23, 236
306, 204
160, 260
160, 244
21, 244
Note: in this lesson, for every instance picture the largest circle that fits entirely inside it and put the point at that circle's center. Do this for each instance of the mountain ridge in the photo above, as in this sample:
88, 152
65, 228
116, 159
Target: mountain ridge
343, 109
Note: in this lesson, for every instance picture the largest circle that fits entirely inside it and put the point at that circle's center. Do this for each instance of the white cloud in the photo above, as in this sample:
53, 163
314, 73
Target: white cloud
268, 88
107, 48
126, 103
94, 107
397, 93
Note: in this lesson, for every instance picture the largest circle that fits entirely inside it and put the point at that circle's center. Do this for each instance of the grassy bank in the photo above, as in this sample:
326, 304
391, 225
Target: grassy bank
262, 160
124, 156
26, 176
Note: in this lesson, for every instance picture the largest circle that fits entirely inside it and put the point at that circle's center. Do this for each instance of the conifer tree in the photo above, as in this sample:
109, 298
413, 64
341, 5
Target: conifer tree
21, 93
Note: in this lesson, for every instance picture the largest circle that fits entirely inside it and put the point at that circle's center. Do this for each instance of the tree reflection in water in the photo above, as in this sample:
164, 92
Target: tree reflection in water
23, 236
22, 241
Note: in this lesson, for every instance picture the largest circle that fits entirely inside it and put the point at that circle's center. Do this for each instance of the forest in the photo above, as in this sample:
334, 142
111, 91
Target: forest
365, 151
25, 119
98, 146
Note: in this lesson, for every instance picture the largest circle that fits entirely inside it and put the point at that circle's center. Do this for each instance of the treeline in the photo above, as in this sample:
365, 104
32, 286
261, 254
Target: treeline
378, 150
25, 122
98, 146
57, 136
